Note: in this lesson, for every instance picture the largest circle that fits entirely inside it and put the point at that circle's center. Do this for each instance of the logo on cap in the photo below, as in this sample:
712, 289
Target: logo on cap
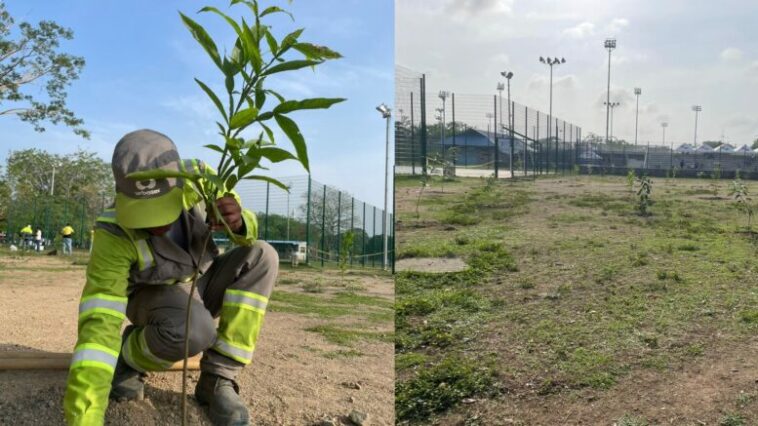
145, 187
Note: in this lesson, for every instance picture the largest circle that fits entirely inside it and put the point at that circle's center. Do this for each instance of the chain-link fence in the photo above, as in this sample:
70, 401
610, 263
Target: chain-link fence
319, 224
50, 214
476, 135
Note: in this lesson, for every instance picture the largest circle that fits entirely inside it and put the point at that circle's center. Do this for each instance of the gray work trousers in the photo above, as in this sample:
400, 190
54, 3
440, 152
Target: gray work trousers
161, 309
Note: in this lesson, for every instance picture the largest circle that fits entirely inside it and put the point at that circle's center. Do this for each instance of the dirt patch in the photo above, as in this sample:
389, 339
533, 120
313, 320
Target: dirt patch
297, 376
431, 264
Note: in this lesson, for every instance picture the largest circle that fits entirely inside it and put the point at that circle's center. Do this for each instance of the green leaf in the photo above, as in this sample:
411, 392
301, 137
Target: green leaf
231, 21
250, 44
260, 96
230, 182
215, 180
293, 133
215, 148
268, 115
313, 51
276, 94
290, 66
276, 155
161, 174
269, 132
290, 39
243, 118
313, 103
269, 180
271, 43
229, 82
202, 37
214, 98
275, 9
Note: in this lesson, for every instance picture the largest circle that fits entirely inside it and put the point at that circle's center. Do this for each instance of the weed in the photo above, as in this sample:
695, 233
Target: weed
442, 386
643, 195
346, 336
732, 419
629, 420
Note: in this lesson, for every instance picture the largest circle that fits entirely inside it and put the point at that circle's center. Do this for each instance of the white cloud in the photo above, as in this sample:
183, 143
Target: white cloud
467, 8
585, 29
192, 105
617, 25
731, 54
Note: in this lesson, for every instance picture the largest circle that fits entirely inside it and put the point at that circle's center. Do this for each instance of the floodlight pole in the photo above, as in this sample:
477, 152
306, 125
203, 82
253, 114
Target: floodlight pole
637, 93
508, 75
697, 109
386, 114
550, 62
611, 105
610, 44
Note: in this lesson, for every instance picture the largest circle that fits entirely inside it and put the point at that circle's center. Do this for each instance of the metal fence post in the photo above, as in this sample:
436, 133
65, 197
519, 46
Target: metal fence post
352, 227
363, 237
339, 226
455, 150
526, 139
423, 124
511, 120
373, 234
323, 226
265, 223
497, 148
308, 224
413, 141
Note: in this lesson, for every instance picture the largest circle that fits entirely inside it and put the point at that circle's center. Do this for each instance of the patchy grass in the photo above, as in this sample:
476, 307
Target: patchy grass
340, 335
569, 290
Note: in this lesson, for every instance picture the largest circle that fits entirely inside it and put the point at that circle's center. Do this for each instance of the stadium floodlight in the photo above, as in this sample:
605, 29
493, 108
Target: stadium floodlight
385, 110
386, 114
697, 109
612, 105
610, 44
551, 62
637, 93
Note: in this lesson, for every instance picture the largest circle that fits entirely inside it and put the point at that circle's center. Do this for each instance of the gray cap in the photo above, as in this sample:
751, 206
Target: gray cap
148, 203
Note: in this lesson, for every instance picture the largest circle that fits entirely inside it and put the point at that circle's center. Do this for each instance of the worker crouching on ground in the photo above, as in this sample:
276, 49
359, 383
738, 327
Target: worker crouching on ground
141, 268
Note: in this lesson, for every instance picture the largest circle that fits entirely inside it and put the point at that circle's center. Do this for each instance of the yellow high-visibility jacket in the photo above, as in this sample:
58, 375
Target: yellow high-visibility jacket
122, 259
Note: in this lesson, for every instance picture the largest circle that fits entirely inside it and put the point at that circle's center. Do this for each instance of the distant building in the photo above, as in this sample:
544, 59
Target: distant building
476, 147
686, 147
704, 148
744, 148
724, 148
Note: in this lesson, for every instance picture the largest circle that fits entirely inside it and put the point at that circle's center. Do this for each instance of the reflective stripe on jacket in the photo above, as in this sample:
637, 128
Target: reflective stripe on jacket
122, 259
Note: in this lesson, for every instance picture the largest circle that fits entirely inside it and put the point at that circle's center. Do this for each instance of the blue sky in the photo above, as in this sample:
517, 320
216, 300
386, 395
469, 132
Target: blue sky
141, 61
679, 52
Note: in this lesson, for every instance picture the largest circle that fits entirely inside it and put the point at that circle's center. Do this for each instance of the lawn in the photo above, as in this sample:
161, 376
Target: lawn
575, 308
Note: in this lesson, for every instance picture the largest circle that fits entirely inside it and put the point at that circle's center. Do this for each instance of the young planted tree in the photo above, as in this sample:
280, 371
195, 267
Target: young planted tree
30, 60
739, 193
630, 177
643, 195
248, 108
347, 247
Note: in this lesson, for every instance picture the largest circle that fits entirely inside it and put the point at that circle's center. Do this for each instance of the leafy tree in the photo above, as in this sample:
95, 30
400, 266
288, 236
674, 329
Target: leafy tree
334, 214
29, 58
29, 173
755, 144
643, 195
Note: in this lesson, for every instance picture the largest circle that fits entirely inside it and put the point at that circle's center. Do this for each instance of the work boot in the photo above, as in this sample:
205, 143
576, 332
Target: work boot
127, 382
222, 396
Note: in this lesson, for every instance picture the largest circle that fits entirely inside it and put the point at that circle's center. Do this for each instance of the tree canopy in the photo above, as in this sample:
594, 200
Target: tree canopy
29, 58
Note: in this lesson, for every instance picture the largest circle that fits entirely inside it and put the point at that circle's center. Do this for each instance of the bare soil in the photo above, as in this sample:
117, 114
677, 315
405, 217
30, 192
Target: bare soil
290, 382
431, 264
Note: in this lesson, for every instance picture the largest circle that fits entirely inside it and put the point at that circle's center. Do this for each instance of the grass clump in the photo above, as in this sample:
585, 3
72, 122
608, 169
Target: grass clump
442, 386
347, 336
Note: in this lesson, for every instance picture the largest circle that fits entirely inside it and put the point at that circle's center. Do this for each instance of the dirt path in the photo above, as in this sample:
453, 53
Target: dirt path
297, 377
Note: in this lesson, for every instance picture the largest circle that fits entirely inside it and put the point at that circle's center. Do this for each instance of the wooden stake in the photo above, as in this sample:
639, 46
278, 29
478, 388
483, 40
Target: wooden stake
36, 360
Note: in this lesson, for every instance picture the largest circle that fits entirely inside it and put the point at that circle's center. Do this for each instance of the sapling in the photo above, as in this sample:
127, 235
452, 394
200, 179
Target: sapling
246, 114
347, 247
630, 177
740, 194
643, 194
